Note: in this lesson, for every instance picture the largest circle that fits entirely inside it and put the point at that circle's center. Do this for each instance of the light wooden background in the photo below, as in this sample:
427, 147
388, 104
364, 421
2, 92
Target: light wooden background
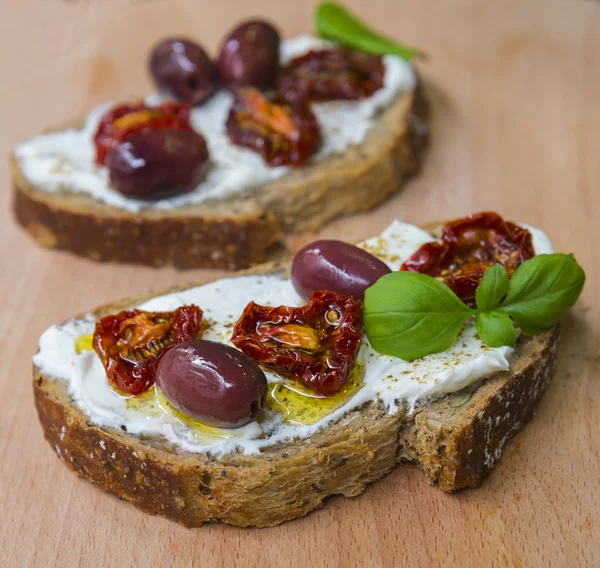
515, 87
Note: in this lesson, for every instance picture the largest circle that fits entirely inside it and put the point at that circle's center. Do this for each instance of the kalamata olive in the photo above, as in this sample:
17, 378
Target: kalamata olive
212, 382
337, 266
156, 163
250, 55
184, 70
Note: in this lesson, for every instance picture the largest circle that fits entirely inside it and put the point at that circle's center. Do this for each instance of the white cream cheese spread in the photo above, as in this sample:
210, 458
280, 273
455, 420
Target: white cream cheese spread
65, 161
388, 379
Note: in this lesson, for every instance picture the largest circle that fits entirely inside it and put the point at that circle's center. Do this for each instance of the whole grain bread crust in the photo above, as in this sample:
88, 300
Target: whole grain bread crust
240, 231
455, 440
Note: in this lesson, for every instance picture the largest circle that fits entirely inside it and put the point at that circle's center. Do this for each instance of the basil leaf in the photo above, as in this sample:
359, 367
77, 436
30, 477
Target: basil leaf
492, 288
334, 22
410, 315
496, 329
542, 289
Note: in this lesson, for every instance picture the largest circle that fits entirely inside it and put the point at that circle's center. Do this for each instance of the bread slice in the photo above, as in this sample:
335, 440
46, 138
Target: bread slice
455, 440
239, 231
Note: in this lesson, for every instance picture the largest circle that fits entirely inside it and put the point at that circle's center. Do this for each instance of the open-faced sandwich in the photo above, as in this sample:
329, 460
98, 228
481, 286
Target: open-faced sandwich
226, 157
251, 399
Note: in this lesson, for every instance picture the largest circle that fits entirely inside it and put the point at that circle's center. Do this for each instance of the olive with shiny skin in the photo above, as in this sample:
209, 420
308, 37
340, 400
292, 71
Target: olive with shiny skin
212, 382
335, 265
157, 163
249, 55
184, 70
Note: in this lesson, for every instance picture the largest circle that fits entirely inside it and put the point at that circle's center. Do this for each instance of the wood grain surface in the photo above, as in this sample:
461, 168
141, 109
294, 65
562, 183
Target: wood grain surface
515, 89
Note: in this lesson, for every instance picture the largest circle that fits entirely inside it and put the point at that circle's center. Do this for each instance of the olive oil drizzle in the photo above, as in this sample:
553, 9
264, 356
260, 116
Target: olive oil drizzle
295, 403
154, 403
300, 406
84, 343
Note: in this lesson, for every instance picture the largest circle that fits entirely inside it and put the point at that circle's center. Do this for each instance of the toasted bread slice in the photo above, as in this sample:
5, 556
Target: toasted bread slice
455, 440
239, 231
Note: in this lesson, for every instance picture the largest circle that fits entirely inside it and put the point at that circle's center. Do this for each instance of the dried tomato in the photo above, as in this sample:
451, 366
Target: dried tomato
315, 344
123, 120
281, 134
131, 343
330, 74
467, 247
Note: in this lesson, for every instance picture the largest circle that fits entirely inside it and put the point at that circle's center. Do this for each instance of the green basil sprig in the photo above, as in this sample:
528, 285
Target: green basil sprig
334, 22
410, 315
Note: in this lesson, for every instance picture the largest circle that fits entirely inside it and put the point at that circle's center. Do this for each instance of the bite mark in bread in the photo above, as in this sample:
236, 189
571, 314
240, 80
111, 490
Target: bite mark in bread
455, 440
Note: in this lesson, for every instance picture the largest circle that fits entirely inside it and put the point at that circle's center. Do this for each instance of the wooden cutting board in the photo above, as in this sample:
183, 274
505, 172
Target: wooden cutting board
515, 89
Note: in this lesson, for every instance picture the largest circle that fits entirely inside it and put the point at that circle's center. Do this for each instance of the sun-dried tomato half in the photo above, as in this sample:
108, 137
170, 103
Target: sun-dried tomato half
330, 74
131, 343
315, 344
281, 134
468, 247
123, 120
